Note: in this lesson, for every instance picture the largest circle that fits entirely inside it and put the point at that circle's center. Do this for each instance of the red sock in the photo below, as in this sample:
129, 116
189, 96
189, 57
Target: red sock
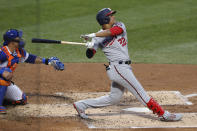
155, 107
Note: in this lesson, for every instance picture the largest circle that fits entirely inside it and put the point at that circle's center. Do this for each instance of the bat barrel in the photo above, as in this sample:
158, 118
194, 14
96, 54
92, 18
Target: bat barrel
37, 40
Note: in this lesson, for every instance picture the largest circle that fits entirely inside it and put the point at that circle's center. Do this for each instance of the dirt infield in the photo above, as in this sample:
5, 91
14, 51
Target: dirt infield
43, 84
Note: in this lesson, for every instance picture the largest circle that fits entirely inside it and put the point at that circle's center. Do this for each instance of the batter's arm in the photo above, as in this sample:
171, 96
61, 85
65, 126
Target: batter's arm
116, 30
103, 33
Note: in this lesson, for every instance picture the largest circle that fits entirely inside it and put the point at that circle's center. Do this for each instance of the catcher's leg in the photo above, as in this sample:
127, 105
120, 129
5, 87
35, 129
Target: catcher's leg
15, 96
2, 94
126, 78
113, 98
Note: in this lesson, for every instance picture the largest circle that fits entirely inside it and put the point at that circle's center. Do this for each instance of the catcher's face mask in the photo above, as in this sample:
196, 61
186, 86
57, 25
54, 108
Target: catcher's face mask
13, 35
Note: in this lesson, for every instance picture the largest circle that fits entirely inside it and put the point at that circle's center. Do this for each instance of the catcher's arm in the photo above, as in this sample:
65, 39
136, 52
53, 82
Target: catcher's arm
38, 60
53, 61
5, 72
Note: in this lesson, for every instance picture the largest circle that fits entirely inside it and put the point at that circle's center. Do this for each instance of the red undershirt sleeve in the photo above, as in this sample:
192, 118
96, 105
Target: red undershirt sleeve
116, 30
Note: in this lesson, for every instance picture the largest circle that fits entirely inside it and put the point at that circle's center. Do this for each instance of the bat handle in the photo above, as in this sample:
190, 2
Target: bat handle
72, 43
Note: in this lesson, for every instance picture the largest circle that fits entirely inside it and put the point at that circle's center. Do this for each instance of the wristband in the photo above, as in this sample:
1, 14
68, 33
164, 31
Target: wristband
45, 61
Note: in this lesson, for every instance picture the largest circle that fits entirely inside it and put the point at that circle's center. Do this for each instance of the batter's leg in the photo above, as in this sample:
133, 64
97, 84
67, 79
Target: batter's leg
111, 99
127, 79
15, 96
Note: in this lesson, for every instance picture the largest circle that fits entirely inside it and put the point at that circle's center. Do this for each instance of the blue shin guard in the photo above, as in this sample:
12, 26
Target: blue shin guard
2, 94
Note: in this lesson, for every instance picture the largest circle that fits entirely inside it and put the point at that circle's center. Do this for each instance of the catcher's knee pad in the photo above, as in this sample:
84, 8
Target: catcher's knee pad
23, 101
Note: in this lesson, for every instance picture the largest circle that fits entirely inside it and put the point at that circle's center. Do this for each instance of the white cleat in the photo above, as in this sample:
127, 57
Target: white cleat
80, 111
167, 116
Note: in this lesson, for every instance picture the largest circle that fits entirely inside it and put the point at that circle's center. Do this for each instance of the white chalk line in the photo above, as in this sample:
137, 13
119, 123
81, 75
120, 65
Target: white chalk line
91, 126
183, 98
137, 109
144, 109
190, 95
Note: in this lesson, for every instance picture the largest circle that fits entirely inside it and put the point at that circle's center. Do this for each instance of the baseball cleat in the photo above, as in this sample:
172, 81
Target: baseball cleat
167, 116
23, 101
2, 110
80, 111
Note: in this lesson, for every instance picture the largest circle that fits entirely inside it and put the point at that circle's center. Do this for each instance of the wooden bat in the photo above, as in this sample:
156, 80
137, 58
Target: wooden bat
38, 40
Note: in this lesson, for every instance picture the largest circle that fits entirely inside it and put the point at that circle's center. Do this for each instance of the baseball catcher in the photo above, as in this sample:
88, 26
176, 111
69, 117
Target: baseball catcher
112, 39
11, 54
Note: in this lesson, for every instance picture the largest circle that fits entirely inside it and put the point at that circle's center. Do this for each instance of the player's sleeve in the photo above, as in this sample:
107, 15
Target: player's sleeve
117, 29
1, 71
27, 57
3, 58
31, 59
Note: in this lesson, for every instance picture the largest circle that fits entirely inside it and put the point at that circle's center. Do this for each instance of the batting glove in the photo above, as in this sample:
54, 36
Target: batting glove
89, 44
88, 36
56, 63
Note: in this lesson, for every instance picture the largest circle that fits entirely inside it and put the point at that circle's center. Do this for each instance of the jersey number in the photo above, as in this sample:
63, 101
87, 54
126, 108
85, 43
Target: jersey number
122, 41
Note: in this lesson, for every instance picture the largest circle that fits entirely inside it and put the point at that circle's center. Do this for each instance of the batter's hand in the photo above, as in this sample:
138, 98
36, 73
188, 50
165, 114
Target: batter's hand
88, 36
90, 44
56, 63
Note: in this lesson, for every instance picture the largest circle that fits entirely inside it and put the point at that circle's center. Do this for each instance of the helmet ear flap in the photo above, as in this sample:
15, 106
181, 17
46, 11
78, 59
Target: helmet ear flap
107, 19
5, 38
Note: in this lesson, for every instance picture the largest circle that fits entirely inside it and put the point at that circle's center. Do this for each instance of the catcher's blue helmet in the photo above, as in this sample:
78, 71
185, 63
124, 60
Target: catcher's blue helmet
103, 16
11, 35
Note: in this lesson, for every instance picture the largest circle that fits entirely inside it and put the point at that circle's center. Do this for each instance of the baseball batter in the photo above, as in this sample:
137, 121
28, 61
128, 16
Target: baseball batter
11, 54
112, 39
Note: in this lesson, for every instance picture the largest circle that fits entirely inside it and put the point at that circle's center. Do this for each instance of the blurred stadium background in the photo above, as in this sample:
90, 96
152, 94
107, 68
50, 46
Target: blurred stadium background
159, 31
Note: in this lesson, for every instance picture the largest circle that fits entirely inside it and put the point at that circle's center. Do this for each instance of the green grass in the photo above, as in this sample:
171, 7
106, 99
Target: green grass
159, 31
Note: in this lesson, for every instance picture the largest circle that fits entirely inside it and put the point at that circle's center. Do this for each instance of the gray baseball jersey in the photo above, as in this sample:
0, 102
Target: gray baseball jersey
115, 48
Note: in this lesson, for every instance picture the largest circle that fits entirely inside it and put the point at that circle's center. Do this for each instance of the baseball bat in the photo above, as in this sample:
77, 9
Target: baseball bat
38, 40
